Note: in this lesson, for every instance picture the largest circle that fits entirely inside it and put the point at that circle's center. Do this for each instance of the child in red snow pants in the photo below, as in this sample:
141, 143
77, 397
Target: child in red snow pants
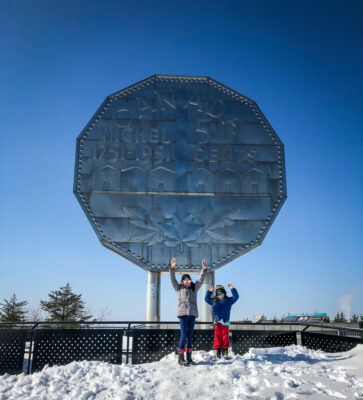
221, 336
221, 304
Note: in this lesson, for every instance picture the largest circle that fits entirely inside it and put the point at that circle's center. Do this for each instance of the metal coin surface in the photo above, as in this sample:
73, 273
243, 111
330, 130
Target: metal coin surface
180, 166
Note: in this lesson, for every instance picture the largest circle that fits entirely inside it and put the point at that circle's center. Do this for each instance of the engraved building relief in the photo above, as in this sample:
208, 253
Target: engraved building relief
162, 180
254, 181
227, 181
105, 178
200, 180
133, 178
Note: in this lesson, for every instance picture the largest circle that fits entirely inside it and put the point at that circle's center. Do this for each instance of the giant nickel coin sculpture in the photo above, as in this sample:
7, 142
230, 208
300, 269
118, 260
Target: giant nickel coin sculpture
180, 166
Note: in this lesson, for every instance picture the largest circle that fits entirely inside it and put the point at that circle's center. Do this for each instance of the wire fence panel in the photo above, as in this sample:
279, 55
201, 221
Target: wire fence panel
153, 344
62, 346
242, 341
329, 343
12, 347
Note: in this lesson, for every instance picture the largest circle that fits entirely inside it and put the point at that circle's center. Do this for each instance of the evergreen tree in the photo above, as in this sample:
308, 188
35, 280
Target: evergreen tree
12, 310
337, 318
343, 317
64, 305
326, 319
340, 317
354, 318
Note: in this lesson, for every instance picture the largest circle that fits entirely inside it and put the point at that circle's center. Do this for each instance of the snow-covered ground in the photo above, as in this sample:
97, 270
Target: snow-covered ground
292, 372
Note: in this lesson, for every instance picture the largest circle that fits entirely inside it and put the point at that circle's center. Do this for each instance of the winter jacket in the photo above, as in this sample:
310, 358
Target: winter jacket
187, 297
222, 309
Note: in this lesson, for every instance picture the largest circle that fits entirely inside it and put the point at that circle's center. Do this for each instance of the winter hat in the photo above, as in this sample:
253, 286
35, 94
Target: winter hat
220, 290
186, 276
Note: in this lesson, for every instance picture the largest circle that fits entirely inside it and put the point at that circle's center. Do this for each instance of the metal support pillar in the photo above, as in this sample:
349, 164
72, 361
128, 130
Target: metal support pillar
206, 311
153, 296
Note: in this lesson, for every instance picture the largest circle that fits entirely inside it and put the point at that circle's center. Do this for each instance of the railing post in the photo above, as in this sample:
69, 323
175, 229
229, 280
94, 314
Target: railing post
30, 353
128, 344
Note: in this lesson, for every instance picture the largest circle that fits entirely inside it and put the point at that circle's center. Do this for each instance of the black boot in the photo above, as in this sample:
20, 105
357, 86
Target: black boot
189, 357
225, 354
181, 360
219, 354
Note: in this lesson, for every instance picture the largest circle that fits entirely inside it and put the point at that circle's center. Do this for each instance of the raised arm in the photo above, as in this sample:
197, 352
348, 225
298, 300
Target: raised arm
208, 296
173, 280
235, 294
202, 275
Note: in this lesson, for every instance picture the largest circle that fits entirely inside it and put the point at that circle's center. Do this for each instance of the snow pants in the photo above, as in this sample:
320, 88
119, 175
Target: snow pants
187, 323
221, 336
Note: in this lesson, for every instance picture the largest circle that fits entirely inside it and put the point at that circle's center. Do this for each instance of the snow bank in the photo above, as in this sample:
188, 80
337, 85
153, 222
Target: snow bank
292, 372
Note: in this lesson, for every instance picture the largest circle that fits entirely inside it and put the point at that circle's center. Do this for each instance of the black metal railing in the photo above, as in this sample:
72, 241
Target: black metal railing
29, 346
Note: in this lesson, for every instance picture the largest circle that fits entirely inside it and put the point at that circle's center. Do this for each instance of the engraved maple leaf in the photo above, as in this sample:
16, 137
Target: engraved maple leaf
181, 230
147, 224
214, 225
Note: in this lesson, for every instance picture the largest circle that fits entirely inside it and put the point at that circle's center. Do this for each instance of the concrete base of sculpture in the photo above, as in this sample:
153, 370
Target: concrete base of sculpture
205, 310
153, 296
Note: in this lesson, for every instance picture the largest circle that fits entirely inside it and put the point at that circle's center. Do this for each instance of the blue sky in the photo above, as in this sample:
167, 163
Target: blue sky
300, 61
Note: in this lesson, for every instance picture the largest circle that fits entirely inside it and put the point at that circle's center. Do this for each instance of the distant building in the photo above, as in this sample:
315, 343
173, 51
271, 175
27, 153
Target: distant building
304, 317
